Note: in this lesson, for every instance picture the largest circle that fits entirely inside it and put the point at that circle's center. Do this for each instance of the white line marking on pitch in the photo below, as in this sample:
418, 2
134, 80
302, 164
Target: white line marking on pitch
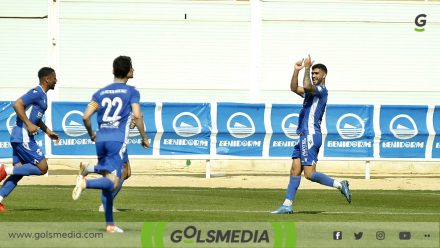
267, 211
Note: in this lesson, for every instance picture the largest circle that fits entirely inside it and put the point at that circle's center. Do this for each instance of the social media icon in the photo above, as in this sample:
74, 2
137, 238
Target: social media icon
404, 235
380, 235
358, 235
337, 235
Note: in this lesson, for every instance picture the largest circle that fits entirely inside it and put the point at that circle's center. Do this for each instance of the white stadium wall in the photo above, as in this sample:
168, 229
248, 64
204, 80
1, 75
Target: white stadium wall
240, 51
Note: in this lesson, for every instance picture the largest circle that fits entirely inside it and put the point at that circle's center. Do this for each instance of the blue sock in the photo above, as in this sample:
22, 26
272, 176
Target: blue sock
115, 193
9, 185
100, 183
292, 187
322, 179
108, 207
26, 170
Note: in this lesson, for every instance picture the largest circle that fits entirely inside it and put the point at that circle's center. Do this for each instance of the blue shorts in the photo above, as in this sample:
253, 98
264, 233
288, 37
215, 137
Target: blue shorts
307, 149
110, 157
28, 152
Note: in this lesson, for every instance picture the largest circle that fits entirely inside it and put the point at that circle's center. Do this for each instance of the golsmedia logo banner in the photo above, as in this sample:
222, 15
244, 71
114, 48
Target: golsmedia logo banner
218, 234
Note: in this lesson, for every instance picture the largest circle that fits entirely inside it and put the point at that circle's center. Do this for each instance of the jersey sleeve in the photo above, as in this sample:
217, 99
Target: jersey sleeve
95, 100
320, 91
135, 96
30, 97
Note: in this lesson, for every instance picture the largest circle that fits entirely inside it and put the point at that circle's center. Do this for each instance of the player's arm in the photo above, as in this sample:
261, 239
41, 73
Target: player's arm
294, 82
87, 118
139, 121
20, 110
307, 82
47, 130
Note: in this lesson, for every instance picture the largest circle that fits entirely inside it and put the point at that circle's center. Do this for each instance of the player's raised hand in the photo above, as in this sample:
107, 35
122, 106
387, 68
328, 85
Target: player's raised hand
299, 65
308, 62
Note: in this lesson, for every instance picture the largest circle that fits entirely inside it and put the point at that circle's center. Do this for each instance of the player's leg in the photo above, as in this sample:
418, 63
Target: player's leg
86, 168
309, 161
107, 184
27, 159
34, 160
294, 181
115, 158
100, 183
110, 162
126, 173
9, 184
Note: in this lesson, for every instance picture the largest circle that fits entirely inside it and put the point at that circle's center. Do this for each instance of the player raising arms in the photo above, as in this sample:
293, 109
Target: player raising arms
305, 153
114, 104
27, 157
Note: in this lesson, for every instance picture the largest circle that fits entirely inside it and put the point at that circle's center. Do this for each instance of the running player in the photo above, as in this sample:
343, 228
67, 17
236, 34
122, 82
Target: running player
115, 105
27, 157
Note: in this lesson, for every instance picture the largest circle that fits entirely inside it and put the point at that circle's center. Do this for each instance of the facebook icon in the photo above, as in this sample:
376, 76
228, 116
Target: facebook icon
337, 235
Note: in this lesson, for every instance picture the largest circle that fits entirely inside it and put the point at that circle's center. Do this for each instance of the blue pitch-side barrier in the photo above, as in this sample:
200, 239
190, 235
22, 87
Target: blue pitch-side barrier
241, 130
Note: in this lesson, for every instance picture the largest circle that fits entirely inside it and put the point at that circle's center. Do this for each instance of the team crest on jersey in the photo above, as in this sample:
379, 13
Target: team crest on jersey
187, 124
350, 126
72, 124
240, 125
403, 127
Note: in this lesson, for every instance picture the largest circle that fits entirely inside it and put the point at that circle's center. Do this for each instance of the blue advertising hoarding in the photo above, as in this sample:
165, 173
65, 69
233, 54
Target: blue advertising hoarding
436, 144
187, 128
350, 131
241, 129
68, 124
7, 122
284, 121
404, 131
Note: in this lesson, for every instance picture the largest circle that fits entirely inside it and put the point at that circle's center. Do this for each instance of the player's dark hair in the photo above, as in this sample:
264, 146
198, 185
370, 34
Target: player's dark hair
121, 66
321, 67
44, 72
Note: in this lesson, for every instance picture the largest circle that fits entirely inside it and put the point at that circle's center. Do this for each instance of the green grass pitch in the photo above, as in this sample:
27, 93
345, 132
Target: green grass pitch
137, 204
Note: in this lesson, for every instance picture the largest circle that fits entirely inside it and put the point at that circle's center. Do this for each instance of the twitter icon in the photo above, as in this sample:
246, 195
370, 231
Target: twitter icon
358, 235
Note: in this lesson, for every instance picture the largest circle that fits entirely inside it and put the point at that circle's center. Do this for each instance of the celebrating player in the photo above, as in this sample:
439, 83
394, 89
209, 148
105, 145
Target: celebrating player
305, 153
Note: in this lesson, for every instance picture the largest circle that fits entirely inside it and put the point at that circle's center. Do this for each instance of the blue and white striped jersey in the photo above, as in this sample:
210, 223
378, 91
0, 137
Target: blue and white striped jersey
35, 102
310, 117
